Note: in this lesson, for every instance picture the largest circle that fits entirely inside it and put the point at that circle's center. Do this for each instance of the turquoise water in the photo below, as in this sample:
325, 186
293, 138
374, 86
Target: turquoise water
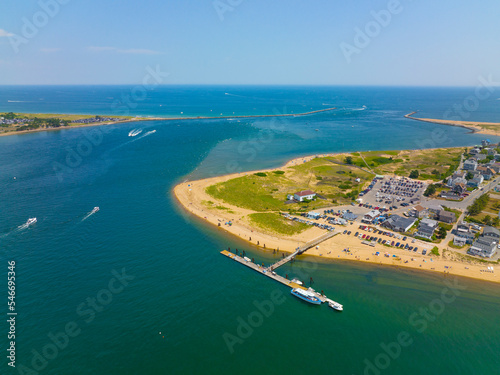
182, 287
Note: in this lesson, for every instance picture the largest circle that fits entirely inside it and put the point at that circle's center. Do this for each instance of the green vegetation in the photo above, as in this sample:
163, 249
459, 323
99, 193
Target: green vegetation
277, 223
479, 204
333, 178
441, 233
435, 251
414, 174
431, 190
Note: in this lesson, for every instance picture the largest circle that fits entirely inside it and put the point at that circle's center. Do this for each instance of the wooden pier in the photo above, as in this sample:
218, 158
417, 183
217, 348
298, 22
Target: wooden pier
302, 249
273, 275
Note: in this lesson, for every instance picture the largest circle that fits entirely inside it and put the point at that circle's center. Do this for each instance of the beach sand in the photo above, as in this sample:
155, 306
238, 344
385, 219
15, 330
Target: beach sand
474, 126
193, 198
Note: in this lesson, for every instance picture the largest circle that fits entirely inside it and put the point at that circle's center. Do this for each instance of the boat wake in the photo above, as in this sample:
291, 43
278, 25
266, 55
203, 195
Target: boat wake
89, 214
134, 132
16, 101
20, 228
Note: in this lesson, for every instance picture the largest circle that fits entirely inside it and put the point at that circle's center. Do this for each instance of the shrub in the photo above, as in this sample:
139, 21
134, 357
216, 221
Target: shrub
260, 174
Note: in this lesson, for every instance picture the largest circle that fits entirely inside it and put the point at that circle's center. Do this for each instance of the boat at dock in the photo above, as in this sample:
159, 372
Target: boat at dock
297, 281
335, 305
306, 295
30, 221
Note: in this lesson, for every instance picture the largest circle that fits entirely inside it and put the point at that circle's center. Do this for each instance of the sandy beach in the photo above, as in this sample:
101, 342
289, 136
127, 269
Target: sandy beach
474, 126
192, 197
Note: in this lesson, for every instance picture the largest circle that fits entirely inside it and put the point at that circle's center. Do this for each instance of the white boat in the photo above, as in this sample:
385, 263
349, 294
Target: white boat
297, 281
247, 259
31, 220
134, 132
335, 305
306, 295
95, 209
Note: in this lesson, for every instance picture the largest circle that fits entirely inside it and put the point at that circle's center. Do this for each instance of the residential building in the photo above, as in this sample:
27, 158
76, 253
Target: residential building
304, 195
450, 195
460, 188
398, 223
486, 172
486, 244
434, 209
447, 216
475, 151
459, 241
476, 181
470, 165
426, 228
479, 157
418, 211
492, 152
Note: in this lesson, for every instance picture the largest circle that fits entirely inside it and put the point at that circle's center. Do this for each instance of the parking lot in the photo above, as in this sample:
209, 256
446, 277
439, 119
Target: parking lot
394, 192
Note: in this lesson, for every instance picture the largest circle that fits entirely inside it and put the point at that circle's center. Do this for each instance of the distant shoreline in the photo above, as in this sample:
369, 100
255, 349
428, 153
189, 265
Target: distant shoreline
137, 119
474, 126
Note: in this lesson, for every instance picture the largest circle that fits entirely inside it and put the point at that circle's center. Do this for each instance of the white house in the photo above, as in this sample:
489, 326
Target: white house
370, 216
470, 165
304, 195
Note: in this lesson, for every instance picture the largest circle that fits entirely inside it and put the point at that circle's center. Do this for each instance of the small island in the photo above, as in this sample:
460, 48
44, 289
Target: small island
434, 210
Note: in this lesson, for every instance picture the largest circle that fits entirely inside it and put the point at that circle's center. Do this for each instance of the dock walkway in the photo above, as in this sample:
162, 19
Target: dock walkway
302, 249
273, 275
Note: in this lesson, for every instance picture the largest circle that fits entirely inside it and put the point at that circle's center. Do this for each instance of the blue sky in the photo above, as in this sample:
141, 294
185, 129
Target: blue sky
437, 43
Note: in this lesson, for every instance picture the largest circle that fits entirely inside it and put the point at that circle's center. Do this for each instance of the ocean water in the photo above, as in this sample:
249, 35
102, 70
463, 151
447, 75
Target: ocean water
185, 309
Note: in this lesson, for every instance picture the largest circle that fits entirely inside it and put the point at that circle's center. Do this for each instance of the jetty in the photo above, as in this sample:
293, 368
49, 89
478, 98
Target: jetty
269, 271
271, 274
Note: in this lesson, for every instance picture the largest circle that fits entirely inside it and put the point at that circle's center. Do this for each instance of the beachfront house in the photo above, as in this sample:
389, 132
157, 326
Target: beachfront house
447, 216
475, 151
459, 241
486, 244
370, 216
470, 165
398, 223
301, 196
426, 228
463, 232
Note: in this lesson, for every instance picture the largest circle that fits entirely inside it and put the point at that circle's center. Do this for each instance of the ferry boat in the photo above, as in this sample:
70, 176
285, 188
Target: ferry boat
31, 220
335, 305
134, 132
306, 295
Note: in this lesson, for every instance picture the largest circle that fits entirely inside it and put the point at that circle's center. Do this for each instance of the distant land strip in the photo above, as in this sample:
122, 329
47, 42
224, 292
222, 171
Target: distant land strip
492, 128
137, 119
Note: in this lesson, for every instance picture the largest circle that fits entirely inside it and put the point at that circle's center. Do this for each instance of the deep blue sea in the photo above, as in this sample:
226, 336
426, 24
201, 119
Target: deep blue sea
182, 300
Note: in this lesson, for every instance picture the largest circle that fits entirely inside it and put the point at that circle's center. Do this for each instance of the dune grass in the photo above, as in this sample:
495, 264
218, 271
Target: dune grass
276, 223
